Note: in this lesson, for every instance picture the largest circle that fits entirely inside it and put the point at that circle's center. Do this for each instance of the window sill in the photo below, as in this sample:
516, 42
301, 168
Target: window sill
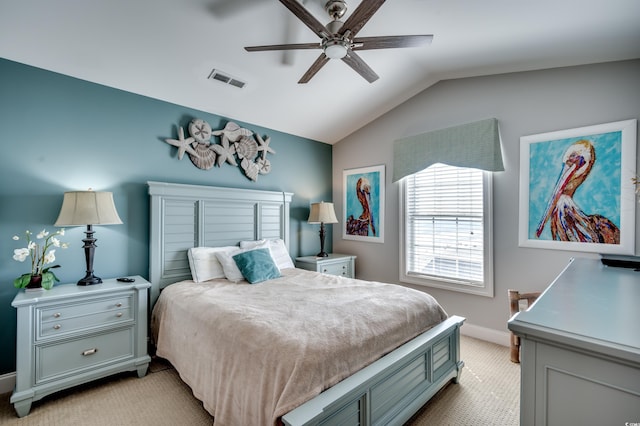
451, 285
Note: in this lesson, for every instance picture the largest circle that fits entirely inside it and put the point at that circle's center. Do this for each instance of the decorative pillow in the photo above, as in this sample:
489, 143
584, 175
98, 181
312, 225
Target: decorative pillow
204, 263
257, 265
279, 251
251, 244
231, 271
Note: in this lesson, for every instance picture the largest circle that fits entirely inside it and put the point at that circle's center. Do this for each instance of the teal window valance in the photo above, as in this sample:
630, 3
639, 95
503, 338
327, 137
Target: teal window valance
474, 145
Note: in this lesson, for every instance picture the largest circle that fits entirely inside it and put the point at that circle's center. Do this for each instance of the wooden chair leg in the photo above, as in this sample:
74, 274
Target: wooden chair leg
514, 353
514, 307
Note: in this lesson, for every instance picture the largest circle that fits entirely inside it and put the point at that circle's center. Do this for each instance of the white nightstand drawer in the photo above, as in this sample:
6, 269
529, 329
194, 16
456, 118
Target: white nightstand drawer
340, 268
57, 320
333, 264
58, 360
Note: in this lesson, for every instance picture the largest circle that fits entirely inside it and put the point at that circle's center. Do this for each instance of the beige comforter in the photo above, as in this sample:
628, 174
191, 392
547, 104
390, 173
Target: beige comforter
252, 353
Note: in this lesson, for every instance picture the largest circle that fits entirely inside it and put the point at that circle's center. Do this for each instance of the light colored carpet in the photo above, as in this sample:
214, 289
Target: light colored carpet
488, 394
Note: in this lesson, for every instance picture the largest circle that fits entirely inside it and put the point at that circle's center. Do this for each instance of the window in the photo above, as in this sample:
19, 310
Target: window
445, 229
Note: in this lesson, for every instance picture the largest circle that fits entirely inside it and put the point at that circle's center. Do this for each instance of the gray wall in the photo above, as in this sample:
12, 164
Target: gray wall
524, 103
59, 133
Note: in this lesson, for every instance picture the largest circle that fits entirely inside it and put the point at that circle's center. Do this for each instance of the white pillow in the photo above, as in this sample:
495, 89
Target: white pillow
204, 264
231, 270
279, 251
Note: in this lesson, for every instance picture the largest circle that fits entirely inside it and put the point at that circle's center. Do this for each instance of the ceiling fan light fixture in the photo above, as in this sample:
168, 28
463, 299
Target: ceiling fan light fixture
335, 49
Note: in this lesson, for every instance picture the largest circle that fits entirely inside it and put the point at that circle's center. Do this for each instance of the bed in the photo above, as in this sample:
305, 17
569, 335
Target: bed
268, 361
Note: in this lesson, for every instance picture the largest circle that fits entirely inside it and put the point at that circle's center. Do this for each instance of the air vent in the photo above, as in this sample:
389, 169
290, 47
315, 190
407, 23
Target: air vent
225, 78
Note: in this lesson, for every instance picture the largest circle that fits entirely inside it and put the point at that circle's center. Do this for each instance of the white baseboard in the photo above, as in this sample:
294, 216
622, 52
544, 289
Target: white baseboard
7, 382
484, 333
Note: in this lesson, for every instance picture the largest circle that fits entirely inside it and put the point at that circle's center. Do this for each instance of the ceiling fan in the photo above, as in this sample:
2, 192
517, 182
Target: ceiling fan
338, 39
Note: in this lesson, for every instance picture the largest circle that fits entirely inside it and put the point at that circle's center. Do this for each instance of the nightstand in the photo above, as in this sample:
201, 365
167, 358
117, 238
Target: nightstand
334, 264
74, 334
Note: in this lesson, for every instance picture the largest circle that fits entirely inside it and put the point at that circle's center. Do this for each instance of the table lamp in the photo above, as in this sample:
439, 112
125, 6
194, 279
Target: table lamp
322, 213
88, 208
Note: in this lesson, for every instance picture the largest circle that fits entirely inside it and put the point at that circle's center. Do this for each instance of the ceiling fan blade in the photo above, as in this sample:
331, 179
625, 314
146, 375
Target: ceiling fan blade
391, 42
356, 62
315, 67
283, 47
307, 18
365, 10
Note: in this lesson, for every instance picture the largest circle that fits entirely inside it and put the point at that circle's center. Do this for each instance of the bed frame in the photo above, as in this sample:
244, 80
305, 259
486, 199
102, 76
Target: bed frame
388, 391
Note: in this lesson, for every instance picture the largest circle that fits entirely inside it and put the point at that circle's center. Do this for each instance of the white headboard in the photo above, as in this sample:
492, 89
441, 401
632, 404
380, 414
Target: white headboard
185, 216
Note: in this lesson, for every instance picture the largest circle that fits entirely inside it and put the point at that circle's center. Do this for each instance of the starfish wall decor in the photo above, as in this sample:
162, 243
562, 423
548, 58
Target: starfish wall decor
237, 144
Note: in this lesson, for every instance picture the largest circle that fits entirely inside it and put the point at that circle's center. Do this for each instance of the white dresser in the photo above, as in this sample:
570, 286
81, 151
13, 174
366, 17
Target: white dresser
580, 348
74, 334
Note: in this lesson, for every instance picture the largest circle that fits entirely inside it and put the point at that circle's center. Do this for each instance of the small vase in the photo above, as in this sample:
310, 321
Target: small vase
35, 283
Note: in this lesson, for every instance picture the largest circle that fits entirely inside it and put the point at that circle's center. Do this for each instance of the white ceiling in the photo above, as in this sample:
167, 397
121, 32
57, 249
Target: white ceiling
165, 49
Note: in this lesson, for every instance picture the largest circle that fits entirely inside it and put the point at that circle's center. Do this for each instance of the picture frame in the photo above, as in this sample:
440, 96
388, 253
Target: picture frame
577, 191
363, 204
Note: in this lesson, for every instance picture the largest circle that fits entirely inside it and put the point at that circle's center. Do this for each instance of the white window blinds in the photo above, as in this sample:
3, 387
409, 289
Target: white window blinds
444, 225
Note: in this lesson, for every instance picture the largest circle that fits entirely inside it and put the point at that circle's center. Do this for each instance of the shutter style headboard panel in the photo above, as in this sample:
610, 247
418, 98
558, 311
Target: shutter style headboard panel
185, 216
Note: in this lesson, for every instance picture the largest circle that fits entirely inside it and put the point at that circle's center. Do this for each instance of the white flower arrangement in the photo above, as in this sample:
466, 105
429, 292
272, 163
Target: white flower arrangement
41, 254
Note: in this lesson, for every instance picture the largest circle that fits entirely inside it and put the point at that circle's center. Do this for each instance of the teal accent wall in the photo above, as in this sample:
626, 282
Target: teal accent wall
60, 133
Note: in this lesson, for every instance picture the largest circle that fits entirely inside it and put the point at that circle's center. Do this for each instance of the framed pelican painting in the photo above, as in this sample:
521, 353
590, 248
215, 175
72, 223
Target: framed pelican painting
577, 191
363, 217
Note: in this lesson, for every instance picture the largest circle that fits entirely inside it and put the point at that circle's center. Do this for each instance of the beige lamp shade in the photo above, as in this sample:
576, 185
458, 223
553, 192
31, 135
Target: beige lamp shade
88, 208
322, 213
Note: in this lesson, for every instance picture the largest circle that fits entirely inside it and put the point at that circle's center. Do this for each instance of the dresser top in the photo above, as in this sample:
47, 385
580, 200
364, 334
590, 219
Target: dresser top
331, 256
589, 305
63, 291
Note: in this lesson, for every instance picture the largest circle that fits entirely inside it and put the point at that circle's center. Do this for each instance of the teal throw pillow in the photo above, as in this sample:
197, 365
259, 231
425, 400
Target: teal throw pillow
257, 265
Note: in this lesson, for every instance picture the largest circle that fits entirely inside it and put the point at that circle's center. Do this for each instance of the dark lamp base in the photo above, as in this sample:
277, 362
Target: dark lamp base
322, 252
89, 249
90, 280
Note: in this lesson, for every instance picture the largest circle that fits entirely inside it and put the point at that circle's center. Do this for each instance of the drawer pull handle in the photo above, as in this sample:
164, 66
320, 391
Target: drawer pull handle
118, 305
56, 315
90, 352
119, 314
57, 327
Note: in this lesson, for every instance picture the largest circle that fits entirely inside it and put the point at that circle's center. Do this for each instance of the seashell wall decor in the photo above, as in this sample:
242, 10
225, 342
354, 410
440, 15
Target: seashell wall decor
238, 146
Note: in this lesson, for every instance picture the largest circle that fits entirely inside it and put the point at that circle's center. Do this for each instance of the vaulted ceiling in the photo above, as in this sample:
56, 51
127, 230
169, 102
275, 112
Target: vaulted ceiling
166, 49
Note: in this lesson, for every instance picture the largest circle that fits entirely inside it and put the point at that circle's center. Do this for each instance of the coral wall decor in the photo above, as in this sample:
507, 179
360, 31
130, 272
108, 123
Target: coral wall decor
238, 146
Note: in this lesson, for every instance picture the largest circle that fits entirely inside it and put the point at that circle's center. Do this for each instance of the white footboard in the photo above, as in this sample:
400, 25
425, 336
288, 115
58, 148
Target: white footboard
393, 388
